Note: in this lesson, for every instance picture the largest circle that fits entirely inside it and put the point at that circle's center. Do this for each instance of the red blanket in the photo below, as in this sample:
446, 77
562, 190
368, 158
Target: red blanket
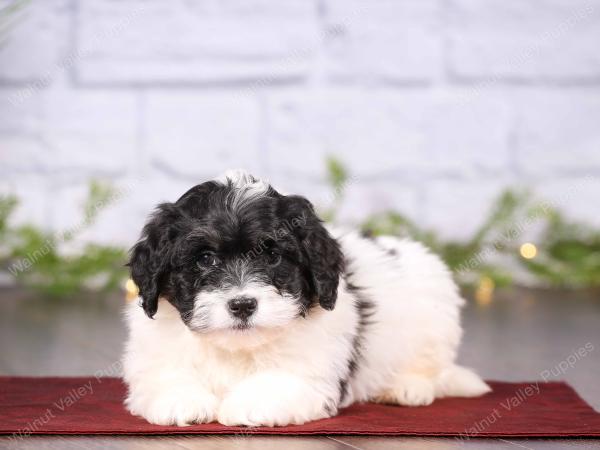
94, 406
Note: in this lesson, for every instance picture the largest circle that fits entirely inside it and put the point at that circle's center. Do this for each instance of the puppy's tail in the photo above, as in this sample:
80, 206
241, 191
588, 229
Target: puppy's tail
457, 381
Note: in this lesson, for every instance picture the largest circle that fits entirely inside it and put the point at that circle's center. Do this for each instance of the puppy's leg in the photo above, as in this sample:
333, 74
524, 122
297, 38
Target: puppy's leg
275, 398
172, 402
409, 389
457, 381
419, 389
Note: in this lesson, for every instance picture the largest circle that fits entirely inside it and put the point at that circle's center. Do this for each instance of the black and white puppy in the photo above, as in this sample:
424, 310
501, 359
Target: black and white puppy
263, 316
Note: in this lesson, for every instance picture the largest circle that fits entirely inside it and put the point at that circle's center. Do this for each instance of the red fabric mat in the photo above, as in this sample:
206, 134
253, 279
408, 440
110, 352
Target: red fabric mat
94, 406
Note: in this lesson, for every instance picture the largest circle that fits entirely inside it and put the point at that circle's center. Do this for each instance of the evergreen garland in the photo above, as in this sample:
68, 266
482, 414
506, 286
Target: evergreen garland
565, 253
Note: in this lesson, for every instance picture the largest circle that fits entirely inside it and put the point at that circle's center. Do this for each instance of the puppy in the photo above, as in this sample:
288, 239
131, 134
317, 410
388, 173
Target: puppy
263, 316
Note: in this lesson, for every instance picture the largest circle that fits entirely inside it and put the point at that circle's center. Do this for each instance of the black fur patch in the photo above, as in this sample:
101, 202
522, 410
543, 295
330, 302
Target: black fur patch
365, 308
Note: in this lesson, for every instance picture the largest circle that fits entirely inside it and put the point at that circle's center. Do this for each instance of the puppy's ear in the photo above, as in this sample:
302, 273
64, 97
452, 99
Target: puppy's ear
149, 260
324, 260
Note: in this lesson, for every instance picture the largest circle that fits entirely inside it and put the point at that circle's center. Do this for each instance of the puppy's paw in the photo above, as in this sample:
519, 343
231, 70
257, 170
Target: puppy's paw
456, 381
272, 401
245, 408
179, 406
410, 390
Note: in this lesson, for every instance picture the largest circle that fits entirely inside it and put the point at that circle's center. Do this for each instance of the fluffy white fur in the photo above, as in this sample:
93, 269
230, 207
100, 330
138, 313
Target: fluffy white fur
284, 375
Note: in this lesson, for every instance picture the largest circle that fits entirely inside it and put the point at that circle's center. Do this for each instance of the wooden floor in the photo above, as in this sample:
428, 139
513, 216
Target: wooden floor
521, 334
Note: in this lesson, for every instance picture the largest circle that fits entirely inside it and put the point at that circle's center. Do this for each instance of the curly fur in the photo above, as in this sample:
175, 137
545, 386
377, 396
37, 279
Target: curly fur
337, 318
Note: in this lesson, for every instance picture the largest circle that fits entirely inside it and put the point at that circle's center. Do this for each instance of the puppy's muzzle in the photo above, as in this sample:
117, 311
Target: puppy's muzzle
242, 307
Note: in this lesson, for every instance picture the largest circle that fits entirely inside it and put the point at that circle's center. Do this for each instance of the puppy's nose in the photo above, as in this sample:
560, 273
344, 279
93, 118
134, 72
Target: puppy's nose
242, 307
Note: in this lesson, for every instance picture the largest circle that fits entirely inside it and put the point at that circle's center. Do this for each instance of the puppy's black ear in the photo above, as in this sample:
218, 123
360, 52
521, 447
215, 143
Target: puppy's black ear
324, 260
149, 260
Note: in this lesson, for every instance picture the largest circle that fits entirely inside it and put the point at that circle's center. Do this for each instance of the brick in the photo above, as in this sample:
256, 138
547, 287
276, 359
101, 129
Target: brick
63, 130
201, 134
36, 43
518, 39
377, 133
557, 132
21, 148
93, 131
195, 41
21, 153
383, 40
18, 117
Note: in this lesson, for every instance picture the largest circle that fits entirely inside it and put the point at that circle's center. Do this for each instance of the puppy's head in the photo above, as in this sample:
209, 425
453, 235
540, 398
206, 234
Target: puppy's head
233, 255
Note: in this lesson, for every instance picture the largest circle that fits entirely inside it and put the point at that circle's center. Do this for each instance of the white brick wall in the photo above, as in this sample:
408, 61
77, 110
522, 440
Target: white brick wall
192, 42
524, 39
389, 40
435, 106
558, 132
37, 42
194, 134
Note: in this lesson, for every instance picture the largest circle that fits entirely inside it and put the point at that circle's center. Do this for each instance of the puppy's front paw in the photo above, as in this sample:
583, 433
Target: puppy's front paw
245, 408
179, 406
410, 390
276, 400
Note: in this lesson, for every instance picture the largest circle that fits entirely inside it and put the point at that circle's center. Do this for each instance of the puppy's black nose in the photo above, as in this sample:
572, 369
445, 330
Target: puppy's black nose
242, 307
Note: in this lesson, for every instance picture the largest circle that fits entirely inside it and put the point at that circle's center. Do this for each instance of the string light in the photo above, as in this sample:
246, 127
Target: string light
528, 250
131, 290
485, 291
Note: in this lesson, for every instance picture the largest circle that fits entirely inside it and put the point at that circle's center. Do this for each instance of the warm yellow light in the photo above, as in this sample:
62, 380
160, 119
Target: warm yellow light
528, 250
485, 291
131, 290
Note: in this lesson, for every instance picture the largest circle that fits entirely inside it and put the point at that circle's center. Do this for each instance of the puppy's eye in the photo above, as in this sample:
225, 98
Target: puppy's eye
207, 259
273, 256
